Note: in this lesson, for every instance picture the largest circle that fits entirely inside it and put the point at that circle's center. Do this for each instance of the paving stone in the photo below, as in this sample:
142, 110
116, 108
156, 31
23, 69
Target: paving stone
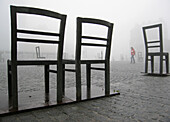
27, 117
61, 117
54, 111
11, 118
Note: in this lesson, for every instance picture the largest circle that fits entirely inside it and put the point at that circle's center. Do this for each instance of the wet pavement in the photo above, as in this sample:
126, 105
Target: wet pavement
142, 98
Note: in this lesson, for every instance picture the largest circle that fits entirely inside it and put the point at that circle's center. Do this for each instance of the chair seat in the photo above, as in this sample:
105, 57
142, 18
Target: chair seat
67, 61
35, 62
157, 54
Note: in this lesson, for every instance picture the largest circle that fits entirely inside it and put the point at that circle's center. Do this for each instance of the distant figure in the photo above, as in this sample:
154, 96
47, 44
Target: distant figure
132, 55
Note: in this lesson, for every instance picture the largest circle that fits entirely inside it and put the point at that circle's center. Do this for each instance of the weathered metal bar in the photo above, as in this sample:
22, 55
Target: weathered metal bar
53, 71
96, 68
161, 64
94, 21
92, 61
46, 70
90, 44
63, 80
70, 70
152, 26
77, 60
107, 79
59, 82
37, 62
46, 77
37, 32
84, 61
167, 63
152, 64
14, 84
9, 83
146, 63
38, 41
37, 11
95, 38
153, 42
153, 46
88, 77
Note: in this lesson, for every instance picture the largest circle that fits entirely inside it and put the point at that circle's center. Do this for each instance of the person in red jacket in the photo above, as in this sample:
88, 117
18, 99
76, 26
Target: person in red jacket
132, 55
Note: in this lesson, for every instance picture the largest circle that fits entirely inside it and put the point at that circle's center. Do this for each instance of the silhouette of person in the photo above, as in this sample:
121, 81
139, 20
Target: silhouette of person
132, 55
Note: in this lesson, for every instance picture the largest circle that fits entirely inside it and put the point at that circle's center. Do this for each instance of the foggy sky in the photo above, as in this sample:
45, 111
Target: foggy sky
125, 14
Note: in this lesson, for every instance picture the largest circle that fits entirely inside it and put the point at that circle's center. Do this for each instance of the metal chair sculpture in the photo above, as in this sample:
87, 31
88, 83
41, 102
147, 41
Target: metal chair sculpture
156, 44
14, 63
78, 61
140, 57
37, 49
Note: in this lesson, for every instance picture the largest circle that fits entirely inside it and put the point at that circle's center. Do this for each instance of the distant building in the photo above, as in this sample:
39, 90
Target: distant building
136, 39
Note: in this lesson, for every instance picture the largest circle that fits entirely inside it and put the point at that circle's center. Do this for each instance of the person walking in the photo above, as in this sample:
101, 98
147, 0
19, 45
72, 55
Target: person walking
132, 55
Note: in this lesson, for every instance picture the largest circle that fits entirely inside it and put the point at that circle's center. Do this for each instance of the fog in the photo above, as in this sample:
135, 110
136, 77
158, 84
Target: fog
128, 17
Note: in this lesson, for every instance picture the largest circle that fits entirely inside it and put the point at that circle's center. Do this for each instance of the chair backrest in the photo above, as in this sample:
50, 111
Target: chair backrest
80, 36
37, 49
38, 52
152, 44
139, 54
15, 30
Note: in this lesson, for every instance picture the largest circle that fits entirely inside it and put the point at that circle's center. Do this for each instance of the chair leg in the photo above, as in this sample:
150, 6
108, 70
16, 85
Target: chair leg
161, 64
63, 82
46, 79
46, 70
88, 75
9, 83
59, 82
107, 79
78, 81
167, 64
146, 64
152, 64
14, 86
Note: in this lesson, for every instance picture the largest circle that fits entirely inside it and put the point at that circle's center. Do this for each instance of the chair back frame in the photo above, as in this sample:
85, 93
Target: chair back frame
12, 65
79, 43
159, 26
88, 63
161, 54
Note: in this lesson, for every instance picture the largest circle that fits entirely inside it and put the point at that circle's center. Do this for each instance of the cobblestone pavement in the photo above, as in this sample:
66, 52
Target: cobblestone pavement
142, 99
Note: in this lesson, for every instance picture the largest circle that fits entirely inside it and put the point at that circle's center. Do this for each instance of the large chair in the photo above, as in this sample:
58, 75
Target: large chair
15, 62
155, 48
94, 42
140, 57
38, 53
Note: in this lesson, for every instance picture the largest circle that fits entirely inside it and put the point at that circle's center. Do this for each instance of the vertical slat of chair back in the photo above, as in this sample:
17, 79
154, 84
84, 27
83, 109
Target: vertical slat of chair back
13, 34
78, 38
161, 38
158, 42
61, 37
36, 11
109, 36
108, 39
